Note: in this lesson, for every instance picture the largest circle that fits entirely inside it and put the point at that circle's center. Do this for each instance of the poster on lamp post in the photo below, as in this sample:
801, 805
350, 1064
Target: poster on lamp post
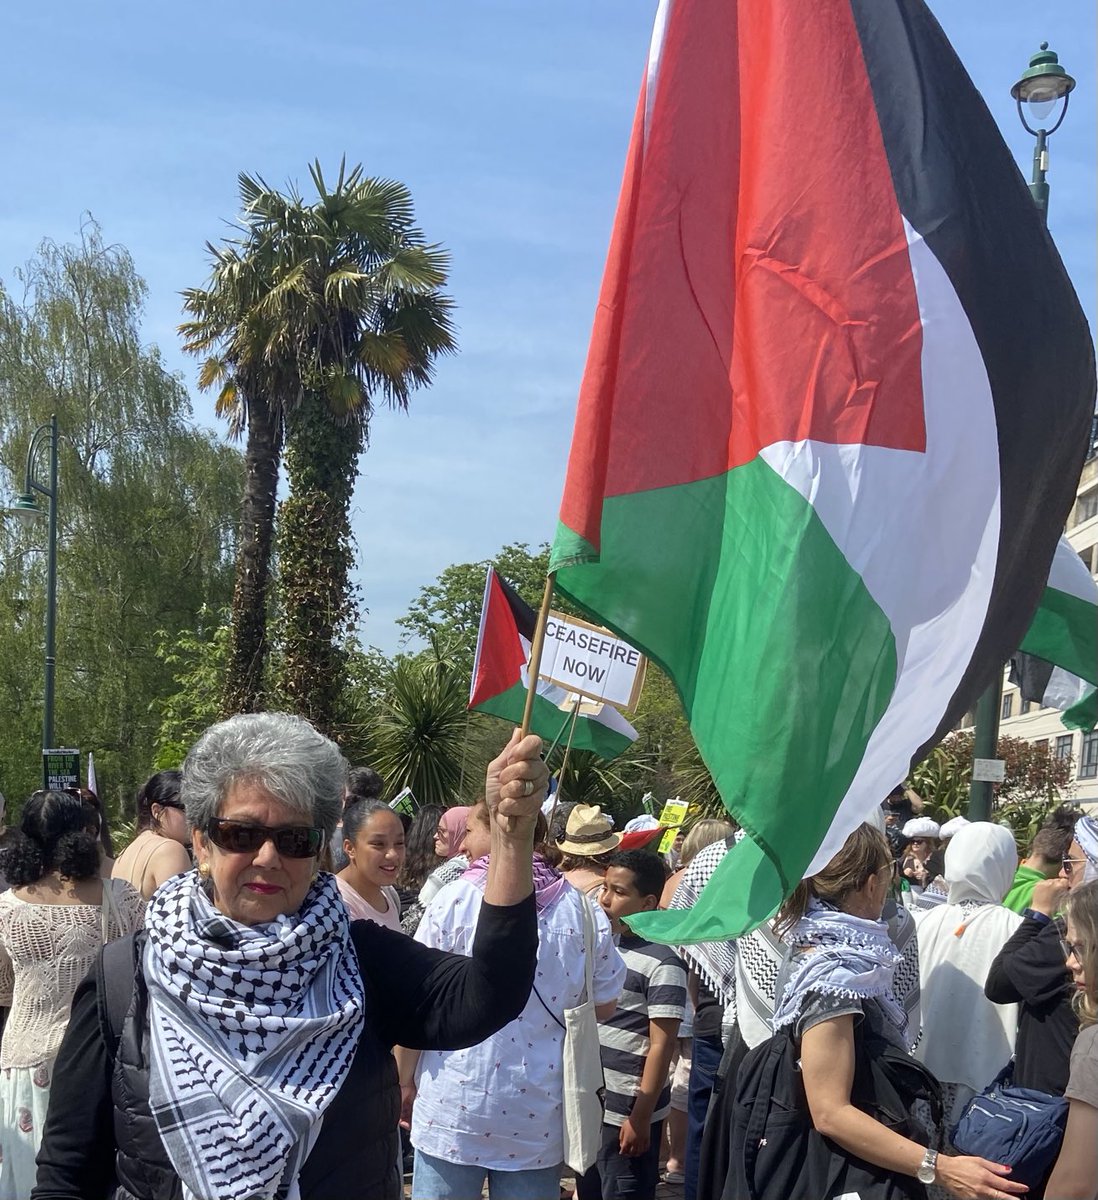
60, 769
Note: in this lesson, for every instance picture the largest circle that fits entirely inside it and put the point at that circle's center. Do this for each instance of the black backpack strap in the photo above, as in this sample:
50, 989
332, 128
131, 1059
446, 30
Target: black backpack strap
115, 971
777, 1049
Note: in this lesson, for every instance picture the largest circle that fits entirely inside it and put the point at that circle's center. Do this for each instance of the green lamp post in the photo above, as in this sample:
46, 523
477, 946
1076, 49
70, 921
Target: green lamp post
27, 508
1044, 83
1038, 94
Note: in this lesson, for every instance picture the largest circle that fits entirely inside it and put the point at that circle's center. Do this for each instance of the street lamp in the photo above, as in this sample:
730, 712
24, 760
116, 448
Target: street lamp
28, 510
1043, 85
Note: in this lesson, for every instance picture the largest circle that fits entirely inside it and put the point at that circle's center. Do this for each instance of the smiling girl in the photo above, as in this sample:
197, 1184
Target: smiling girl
373, 840
1075, 1176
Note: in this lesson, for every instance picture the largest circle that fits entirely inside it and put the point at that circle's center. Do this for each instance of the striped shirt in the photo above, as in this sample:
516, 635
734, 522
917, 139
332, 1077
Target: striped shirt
655, 987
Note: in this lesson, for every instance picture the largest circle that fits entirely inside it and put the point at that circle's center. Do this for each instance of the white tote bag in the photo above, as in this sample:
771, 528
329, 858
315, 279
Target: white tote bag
583, 1081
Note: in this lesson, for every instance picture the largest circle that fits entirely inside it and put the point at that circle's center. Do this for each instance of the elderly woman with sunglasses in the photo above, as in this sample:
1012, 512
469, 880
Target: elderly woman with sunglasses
253, 1060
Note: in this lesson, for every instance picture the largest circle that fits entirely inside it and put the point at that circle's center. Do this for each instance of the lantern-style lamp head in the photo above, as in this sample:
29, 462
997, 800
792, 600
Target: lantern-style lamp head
1043, 85
26, 508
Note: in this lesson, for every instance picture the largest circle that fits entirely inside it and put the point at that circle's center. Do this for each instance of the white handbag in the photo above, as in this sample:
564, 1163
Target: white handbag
583, 1080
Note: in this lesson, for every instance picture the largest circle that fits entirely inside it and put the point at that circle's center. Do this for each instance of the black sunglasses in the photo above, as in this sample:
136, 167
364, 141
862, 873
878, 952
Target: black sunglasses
291, 841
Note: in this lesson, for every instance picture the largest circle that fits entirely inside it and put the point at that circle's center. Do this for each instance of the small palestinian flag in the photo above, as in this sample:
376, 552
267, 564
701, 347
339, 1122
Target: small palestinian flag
1057, 664
835, 407
500, 680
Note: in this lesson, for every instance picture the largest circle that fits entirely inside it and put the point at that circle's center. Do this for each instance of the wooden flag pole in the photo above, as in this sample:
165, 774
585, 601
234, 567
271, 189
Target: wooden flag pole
535, 653
564, 761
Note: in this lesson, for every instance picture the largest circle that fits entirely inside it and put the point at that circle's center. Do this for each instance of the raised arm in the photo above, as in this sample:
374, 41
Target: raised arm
1030, 969
428, 999
514, 789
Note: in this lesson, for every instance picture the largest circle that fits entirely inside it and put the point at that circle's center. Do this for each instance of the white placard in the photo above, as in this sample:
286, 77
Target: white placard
988, 770
586, 659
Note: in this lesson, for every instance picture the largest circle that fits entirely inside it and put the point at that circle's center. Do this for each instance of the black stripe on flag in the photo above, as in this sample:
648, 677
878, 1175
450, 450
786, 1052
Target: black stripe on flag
526, 618
1031, 675
959, 187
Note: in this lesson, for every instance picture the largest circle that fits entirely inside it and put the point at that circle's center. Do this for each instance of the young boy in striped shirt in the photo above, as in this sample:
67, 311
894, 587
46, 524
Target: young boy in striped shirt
637, 1041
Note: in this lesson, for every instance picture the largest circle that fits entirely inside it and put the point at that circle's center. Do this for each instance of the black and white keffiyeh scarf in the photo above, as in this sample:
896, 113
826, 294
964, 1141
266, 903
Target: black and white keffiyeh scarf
851, 956
252, 1033
715, 962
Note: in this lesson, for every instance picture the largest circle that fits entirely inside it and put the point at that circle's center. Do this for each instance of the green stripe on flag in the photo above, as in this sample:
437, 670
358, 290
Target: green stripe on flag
551, 723
1083, 714
1064, 631
783, 661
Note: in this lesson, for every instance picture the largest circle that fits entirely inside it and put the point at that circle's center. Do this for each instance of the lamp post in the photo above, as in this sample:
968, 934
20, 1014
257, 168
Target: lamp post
27, 508
1043, 85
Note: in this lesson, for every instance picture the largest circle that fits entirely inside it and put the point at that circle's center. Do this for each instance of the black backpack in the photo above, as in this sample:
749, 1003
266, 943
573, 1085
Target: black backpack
774, 1151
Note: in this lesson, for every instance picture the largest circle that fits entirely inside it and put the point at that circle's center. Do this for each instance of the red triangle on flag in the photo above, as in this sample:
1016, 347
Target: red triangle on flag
501, 654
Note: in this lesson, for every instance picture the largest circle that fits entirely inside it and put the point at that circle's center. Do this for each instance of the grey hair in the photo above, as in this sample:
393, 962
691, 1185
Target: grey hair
284, 754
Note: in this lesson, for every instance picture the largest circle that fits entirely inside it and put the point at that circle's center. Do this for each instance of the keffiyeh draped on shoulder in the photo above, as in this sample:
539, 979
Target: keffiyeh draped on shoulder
252, 1033
850, 957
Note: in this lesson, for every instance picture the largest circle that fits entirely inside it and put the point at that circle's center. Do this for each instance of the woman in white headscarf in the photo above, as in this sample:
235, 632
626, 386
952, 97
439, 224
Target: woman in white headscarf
967, 1040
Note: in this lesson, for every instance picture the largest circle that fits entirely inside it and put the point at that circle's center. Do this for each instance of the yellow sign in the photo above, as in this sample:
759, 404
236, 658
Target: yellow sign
672, 819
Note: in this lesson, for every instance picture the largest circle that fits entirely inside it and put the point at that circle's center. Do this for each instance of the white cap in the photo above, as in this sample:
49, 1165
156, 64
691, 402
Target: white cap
952, 826
921, 827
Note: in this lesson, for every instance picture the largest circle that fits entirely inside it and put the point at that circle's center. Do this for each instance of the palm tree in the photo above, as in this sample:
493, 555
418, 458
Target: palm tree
320, 310
356, 307
419, 738
226, 329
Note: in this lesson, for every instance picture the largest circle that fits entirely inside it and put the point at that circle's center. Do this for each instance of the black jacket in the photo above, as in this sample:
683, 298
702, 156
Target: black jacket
100, 1140
1029, 971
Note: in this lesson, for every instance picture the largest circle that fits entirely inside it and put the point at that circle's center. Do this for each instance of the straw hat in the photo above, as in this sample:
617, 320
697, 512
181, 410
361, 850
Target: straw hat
588, 832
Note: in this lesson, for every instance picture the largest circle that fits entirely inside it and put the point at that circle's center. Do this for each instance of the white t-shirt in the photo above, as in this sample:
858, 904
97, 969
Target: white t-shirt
498, 1104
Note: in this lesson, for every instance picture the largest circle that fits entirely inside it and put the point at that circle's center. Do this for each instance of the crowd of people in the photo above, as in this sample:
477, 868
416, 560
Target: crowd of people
284, 989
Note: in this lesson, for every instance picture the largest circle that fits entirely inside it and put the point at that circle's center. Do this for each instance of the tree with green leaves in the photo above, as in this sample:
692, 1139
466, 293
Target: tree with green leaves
342, 308
664, 758
450, 607
1035, 782
420, 733
147, 515
255, 383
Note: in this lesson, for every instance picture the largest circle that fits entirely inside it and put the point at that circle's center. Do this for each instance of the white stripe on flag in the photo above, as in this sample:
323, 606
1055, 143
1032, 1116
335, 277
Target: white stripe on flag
941, 508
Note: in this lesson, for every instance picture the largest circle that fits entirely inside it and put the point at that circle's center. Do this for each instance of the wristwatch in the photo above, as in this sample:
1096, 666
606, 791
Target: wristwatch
928, 1168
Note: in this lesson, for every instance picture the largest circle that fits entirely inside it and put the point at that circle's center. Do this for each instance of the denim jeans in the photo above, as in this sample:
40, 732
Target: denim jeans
437, 1179
703, 1071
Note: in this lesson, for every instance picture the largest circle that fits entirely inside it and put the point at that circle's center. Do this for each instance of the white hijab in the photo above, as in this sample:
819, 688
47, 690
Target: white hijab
1086, 834
967, 1040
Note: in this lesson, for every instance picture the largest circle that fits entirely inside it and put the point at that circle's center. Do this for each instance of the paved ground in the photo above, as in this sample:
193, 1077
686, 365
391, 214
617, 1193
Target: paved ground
665, 1191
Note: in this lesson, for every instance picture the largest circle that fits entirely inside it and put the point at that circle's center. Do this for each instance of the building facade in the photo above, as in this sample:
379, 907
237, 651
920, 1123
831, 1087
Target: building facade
1043, 725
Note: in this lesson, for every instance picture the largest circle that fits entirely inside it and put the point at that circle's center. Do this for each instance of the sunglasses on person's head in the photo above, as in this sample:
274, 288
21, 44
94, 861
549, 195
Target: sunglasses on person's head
239, 837
1069, 864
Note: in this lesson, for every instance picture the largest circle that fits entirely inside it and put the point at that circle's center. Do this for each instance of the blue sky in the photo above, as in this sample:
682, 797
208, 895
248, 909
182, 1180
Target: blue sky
508, 120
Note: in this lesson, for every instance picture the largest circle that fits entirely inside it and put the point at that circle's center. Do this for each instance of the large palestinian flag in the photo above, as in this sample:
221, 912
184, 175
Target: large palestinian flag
1057, 664
500, 680
834, 410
